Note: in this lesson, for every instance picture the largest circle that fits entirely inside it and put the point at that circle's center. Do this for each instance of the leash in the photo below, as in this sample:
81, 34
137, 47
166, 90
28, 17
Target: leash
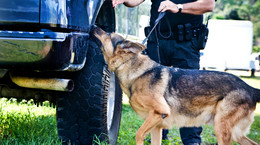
123, 63
161, 15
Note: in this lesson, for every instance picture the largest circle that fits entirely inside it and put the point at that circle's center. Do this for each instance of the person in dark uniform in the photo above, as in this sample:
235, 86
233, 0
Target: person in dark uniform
177, 40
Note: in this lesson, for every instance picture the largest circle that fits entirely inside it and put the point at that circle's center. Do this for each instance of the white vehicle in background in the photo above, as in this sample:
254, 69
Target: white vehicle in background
143, 22
229, 46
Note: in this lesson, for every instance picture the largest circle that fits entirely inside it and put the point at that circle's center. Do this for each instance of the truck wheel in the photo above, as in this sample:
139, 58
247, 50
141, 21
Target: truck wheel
92, 111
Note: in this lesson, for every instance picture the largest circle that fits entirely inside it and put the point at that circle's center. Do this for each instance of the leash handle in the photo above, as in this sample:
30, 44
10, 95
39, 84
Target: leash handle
161, 15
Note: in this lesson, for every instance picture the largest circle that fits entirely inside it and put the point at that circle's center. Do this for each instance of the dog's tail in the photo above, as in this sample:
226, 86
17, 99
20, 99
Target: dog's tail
257, 95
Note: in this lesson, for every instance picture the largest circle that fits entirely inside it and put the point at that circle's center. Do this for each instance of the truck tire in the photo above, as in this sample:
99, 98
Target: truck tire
91, 113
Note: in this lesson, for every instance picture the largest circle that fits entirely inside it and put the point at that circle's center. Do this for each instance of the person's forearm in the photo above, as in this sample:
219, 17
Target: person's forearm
199, 7
133, 3
196, 8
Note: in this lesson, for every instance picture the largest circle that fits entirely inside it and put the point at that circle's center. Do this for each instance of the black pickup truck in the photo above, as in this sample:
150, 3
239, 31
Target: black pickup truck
48, 53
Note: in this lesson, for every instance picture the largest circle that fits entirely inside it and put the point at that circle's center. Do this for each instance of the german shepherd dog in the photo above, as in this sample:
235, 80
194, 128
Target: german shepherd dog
166, 96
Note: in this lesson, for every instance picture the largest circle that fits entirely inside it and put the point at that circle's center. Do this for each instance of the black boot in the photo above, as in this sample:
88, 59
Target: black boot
165, 134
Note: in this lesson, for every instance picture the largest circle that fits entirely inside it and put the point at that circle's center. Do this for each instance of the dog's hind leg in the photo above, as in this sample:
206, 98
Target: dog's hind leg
223, 132
233, 119
152, 120
228, 113
246, 141
242, 127
233, 127
223, 123
156, 135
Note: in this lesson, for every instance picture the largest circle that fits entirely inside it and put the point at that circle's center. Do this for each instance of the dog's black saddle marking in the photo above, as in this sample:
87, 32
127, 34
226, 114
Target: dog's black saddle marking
156, 74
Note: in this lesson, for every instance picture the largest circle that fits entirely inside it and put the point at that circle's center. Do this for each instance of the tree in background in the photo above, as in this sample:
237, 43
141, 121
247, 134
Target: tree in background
128, 18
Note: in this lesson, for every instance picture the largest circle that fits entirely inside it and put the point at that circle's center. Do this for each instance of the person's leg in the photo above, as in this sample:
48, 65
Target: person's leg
191, 135
164, 134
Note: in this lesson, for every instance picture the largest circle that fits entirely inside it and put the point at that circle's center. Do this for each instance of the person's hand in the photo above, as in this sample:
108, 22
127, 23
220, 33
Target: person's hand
167, 5
117, 2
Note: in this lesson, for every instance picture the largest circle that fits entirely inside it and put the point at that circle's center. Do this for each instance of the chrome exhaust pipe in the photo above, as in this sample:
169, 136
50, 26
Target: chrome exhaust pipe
44, 83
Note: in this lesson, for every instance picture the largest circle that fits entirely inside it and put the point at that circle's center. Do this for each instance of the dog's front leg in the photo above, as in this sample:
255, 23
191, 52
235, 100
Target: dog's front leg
156, 135
150, 122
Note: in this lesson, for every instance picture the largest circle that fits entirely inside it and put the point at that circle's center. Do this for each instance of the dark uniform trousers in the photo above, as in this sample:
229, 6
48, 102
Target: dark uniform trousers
181, 54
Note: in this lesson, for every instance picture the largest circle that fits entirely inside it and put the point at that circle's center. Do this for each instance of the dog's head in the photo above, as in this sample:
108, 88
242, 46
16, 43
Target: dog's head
116, 49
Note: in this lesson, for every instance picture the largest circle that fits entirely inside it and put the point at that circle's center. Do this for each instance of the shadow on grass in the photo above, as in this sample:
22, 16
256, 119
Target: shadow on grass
250, 77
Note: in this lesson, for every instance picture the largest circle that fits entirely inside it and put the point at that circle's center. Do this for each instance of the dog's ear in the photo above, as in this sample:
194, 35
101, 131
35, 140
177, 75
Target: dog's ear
134, 47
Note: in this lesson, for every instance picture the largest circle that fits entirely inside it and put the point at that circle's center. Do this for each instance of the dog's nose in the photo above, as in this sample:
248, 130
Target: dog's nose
93, 29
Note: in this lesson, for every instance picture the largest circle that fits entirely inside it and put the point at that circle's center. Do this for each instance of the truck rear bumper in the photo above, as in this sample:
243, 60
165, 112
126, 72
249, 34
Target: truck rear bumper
37, 50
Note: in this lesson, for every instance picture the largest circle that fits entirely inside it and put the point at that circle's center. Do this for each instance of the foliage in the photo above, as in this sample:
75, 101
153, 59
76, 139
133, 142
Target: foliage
256, 49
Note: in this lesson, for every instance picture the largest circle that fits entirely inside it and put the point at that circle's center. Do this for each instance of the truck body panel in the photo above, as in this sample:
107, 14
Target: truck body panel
45, 34
70, 14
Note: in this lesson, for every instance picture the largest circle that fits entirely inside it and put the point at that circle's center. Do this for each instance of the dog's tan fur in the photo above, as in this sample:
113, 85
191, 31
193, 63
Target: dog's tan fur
165, 96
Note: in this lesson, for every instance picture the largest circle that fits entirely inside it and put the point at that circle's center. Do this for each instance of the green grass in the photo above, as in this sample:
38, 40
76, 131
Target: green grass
254, 82
26, 124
